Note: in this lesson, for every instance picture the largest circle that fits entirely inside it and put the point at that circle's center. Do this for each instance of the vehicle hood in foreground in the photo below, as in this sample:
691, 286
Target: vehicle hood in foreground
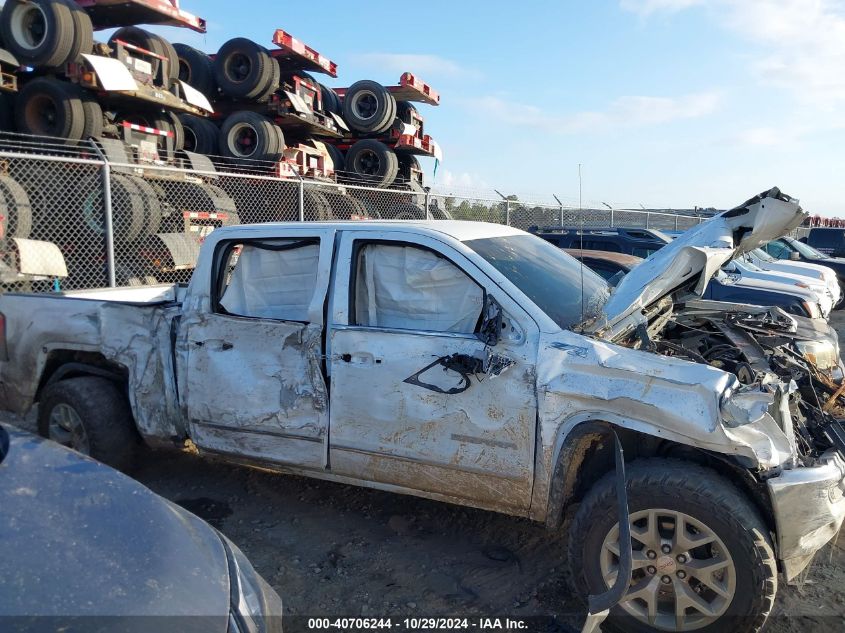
691, 260
82, 541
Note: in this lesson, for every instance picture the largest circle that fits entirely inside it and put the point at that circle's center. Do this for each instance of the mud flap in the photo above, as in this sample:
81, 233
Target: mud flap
599, 605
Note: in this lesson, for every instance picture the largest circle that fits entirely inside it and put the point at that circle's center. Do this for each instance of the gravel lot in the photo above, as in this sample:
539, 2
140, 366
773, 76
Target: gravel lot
337, 550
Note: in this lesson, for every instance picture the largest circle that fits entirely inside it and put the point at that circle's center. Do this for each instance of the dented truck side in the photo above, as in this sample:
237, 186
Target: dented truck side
428, 358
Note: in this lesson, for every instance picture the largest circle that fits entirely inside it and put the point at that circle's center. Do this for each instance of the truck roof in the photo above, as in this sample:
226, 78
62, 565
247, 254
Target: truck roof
461, 230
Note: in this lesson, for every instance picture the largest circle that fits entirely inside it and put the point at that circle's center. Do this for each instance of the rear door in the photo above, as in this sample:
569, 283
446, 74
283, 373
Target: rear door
407, 407
254, 385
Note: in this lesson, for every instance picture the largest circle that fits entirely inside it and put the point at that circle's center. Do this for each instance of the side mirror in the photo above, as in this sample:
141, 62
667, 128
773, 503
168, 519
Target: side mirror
794, 256
491, 322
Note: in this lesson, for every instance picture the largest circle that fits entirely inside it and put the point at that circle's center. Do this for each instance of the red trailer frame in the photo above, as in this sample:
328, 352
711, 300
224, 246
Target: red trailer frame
107, 14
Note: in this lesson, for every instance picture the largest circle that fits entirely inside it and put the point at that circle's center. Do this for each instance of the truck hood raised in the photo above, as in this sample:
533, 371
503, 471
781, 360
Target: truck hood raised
691, 260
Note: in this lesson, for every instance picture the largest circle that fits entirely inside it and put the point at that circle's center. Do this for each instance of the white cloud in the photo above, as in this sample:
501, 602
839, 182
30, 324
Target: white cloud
422, 64
800, 43
624, 112
448, 181
647, 7
763, 136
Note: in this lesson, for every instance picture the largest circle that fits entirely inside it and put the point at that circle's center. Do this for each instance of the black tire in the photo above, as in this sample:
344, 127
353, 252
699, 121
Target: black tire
344, 207
178, 131
46, 107
129, 214
331, 102
405, 111
274, 83
404, 211
7, 112
243, 69
337, 158
223, 203
408, 164
39, 33
201, 135
196, 69
104, 414
17, 214
83, 32
92, 112
372, 161
711, 500
368, 107
152, 206
151, 42
316, 206
250, 136
172, 60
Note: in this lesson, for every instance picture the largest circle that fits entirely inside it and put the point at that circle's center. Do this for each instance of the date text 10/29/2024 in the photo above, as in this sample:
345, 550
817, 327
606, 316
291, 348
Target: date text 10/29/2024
417, 624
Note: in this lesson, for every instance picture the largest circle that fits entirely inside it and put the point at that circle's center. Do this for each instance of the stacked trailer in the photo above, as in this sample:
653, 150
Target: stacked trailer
123, 96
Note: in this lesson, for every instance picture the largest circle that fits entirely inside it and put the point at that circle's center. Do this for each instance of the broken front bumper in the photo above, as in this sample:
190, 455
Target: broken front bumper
809, 508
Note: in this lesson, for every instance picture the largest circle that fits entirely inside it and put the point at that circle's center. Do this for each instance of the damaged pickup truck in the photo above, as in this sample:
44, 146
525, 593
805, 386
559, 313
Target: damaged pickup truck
470, 363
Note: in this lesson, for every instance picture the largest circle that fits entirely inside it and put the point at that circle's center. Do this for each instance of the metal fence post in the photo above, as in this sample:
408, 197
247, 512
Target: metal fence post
301, 199
676, 222
612, 225
507, 212
428, 215
105, 175
647, 217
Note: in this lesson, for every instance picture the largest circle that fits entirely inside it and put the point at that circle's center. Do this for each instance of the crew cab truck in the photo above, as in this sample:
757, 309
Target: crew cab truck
448, 360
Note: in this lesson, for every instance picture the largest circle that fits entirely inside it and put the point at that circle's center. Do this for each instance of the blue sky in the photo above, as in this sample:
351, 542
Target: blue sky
663, 102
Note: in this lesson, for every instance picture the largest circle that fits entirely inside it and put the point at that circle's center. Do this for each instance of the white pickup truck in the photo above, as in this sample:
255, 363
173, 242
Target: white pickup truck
466, 362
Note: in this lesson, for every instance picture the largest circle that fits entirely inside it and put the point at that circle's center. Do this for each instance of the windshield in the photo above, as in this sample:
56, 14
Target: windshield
807, 251
761, 254
546, 275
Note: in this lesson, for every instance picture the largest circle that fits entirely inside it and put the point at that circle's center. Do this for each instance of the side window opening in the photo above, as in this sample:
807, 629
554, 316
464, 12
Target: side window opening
268, 279
408, 287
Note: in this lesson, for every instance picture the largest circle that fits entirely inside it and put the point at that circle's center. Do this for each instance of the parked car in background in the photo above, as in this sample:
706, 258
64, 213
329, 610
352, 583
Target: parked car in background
830, 241
820, 272
794, 250
814, 288
86, 548
630, 241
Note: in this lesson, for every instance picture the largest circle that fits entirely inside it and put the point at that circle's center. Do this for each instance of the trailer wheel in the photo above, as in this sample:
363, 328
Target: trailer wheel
178, 131
703, 558
90, 415
153, 43
405, 111
7, 112
152, 205
45, 108
406, 211
83, 32
201, 135
128, 210
273, 84
372, 161
331, 102
243, 69
247, 135
368, 107
196, 69
316, 205
337, 158
17, 213
408, 163
38, 32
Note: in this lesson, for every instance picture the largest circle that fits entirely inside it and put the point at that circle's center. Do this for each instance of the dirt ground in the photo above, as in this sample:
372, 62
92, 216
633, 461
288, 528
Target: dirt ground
336, 550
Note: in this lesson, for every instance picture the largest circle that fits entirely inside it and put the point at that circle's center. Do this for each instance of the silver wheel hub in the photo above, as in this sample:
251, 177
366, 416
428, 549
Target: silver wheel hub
683, 575
66, 428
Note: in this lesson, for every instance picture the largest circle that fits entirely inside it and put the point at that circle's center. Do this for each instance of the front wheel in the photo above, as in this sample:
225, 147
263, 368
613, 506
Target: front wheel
702, 556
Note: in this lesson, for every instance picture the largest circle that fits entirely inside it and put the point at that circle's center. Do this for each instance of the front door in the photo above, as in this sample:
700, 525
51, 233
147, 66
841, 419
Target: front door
254, 383
417, 399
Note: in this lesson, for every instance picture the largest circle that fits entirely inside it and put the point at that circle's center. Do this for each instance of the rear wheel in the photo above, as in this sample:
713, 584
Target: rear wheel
83, 32
368, 107
153, 43
47, 107
243, 69
201, 135
196, 69
38, 32
90, 415
703, 559
247, 135
373, 162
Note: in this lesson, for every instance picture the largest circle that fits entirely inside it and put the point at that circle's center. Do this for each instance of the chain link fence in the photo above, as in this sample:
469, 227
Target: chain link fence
74, 218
